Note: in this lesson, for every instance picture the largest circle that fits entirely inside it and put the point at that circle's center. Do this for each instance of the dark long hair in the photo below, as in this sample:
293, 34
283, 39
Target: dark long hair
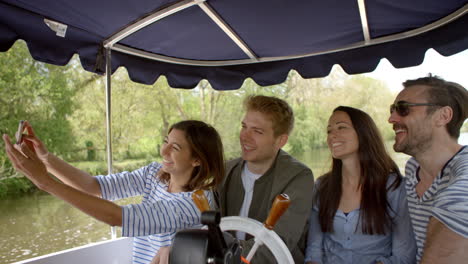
376, 166
206, 146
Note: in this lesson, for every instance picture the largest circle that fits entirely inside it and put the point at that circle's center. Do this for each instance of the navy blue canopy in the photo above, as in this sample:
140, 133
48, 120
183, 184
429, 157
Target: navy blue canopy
226, 41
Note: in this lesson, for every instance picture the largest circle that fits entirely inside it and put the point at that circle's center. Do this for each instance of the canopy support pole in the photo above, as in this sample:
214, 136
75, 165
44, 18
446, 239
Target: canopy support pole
364, 23
108, 122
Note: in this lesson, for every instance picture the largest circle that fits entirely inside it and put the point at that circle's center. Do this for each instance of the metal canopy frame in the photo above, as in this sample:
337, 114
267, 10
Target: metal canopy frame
112, 42
365, 25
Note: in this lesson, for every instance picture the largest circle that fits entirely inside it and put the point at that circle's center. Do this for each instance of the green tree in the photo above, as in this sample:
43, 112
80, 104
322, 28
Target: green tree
67, 107
38, 92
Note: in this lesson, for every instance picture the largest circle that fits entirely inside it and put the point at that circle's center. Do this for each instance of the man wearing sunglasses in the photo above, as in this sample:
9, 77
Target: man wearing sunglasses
427, 116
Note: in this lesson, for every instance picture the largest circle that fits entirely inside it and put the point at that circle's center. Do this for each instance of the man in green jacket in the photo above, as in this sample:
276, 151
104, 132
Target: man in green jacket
262, 172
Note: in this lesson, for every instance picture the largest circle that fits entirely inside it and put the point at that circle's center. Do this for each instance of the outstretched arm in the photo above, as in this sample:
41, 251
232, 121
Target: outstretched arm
31, 166
447, 232
68, 174
162, 257
443, 245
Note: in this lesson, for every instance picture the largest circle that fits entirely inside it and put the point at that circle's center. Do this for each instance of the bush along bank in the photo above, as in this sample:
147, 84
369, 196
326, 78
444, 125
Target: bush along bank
16, 186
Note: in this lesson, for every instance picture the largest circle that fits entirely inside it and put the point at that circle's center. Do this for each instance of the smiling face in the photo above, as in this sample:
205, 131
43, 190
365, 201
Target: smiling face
342, 139
413, 133
257, 139
177, 155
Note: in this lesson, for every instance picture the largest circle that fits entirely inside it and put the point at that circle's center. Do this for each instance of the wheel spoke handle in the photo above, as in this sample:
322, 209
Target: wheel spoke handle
200, 200
280, 205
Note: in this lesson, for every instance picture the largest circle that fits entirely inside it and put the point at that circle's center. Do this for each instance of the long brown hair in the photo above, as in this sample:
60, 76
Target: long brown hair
376, 166
206, 146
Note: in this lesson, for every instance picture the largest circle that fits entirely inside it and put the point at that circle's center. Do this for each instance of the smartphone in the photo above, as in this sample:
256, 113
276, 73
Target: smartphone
19, 133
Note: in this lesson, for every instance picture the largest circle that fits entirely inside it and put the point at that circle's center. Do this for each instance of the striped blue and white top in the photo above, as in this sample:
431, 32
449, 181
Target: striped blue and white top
154, 222
446, 199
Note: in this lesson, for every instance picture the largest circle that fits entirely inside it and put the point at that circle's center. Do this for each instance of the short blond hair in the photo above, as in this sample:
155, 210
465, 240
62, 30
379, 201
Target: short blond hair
278, 111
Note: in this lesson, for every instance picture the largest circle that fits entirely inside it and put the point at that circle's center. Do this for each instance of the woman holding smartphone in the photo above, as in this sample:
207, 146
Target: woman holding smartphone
360, 213
192, 158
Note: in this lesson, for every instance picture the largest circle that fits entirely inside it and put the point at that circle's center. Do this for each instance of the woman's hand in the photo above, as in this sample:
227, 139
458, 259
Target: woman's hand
162, 257
34, 143
27, 162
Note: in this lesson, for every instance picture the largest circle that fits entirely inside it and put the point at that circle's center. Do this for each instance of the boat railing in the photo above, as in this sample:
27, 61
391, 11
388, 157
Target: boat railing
116, 251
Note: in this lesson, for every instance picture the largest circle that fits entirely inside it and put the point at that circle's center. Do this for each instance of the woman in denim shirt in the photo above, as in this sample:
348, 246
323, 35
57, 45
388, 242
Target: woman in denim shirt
360, 212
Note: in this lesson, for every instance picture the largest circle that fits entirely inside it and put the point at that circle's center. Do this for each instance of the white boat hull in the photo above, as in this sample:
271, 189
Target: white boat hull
117, 251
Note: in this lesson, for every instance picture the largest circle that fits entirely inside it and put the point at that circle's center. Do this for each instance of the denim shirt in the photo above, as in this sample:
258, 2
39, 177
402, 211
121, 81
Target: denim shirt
347, 244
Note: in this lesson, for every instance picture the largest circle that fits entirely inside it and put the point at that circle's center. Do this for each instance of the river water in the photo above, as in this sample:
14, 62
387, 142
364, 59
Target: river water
39, 224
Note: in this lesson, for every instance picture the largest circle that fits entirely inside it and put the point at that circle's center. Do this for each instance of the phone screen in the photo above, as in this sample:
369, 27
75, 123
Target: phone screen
19, 133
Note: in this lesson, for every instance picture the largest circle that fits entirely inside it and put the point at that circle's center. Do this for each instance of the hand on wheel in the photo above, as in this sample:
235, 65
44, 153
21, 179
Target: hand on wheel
162, 257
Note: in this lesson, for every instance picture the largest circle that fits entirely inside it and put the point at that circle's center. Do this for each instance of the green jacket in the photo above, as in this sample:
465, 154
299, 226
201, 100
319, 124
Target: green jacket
286, 175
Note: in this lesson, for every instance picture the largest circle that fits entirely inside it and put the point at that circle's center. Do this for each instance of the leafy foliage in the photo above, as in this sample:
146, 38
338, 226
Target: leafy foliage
15, 186
34, 91
66, 106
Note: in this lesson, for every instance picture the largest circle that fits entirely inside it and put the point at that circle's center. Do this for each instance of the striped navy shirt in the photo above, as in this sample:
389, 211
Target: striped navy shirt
446, 199
154, 222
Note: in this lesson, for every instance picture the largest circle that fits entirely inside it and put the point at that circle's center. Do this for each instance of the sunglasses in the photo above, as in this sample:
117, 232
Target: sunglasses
403, 107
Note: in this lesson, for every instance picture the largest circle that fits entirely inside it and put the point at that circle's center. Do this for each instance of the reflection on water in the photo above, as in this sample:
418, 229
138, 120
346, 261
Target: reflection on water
40, 224
318, 160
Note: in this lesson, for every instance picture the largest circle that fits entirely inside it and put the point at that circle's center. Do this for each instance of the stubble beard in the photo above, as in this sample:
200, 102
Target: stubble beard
418, 145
